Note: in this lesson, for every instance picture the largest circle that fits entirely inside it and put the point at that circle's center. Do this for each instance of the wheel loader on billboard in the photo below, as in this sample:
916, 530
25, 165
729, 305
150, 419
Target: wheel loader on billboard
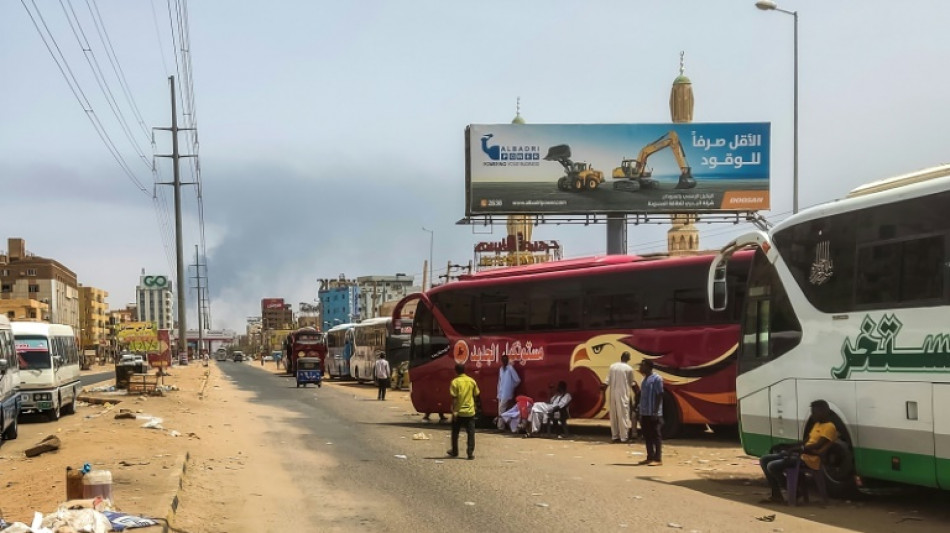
633, 174
578, 177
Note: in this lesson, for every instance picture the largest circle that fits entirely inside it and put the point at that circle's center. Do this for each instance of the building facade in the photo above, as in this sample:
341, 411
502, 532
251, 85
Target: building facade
373, 291
25, 276
339, 302
154, 302
24, 310
275, 314
93, 318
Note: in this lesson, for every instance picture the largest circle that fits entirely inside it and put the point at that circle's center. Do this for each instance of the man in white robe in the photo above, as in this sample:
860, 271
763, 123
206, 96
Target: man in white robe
542, 412
508, 381
620, 384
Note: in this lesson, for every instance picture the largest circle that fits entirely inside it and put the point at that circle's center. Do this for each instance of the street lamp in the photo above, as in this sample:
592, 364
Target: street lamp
769, 5
431, 240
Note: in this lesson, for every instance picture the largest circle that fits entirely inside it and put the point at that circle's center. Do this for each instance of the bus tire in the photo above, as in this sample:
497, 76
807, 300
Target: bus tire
12, 431
839, 468
672, 419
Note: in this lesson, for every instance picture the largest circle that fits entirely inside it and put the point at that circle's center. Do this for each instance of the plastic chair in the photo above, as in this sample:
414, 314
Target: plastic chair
798, 476
559, 422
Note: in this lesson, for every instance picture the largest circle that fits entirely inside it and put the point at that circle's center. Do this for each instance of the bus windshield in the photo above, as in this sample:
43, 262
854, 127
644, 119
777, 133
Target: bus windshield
33, 353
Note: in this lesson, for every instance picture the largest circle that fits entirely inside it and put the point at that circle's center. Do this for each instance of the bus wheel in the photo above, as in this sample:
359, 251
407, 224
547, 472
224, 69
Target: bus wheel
672, 420
71, 408
11, 431
838, 462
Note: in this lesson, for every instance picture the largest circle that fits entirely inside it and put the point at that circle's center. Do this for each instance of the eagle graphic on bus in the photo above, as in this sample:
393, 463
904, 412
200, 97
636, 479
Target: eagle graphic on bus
598, 353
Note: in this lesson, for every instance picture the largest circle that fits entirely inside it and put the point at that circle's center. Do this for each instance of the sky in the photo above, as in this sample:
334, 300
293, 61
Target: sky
331, 133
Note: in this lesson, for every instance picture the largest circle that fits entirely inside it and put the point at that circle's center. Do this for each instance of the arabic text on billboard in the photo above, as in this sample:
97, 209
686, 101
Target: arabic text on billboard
617, 168
272, 303
138, 337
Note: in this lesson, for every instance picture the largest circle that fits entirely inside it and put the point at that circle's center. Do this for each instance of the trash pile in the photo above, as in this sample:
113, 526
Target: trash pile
88, 508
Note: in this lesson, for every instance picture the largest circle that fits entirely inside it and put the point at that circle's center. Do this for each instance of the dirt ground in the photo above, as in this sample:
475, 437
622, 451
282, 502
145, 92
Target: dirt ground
145, 463
235, 479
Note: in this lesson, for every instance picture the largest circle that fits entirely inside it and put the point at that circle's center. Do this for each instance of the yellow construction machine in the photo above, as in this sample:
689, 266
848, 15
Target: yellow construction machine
635, 175
578, 177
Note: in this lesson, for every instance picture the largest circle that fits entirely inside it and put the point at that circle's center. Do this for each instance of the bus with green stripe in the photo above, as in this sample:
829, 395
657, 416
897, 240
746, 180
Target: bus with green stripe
849, 302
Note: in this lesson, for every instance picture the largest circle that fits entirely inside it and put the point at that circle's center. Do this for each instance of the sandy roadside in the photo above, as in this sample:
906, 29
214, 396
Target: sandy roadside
145, 463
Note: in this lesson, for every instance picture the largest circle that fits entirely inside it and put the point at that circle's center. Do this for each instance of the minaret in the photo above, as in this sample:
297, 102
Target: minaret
683, 237
518, 223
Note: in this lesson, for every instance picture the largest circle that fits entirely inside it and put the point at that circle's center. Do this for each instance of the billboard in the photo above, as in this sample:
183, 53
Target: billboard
155, 282
272, 303
616, 168
139, 337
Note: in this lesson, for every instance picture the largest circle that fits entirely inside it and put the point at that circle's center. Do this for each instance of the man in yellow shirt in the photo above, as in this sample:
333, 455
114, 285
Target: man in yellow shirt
465, 405
823, 433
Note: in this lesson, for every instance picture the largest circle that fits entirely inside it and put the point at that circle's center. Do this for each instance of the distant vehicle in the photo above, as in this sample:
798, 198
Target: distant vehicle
49, 367
339, 350
10, 400
238, 356
221, 355
130, 359
372, 336
304, 342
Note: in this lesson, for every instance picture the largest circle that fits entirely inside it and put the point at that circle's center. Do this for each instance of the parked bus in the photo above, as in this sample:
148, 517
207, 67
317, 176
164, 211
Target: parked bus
10, 400
304, 342
848, 303
49, 368
570, 320
372, 336
339, 350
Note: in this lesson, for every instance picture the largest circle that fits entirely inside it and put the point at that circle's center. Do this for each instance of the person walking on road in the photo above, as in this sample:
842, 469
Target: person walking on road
508, 381
382, 371
620, 384
651, 413
466, 403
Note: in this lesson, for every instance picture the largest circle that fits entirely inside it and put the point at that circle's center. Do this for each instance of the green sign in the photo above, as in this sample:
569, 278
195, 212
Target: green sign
876, 349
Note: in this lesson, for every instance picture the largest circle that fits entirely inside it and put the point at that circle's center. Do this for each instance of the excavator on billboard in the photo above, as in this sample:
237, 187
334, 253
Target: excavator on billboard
633, 174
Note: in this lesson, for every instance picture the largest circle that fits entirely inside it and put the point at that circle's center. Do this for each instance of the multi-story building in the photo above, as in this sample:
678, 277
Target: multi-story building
154, 301
275, 314
339, 301
26, 276
93, 318
376, 290
24, 310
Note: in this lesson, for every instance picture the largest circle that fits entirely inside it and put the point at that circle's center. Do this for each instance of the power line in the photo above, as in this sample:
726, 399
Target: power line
63, 65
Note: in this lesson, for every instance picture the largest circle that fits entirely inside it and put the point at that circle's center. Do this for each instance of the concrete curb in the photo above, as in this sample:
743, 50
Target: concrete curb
179, 471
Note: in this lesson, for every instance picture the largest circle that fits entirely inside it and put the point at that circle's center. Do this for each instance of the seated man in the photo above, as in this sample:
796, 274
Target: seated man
516, 417
543, 412
823, 433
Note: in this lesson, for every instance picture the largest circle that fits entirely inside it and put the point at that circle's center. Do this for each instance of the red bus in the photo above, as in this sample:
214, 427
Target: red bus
304, 342
570, 320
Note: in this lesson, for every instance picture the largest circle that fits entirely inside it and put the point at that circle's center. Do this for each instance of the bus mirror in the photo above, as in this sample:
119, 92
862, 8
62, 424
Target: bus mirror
719, 291
4, 365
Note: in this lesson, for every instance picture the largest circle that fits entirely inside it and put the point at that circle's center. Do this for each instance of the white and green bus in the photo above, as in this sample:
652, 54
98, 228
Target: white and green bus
849, 302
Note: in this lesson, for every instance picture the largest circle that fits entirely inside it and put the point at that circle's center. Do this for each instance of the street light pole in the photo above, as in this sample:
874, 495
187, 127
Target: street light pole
769, 5
431, 240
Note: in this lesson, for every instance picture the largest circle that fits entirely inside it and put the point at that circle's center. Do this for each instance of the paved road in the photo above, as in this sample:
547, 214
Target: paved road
89, 379
513, 485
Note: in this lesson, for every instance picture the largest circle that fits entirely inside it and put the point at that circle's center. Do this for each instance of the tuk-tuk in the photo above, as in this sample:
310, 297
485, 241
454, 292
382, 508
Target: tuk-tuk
309, 370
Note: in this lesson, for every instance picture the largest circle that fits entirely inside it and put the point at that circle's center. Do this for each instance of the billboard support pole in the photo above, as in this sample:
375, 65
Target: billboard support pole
616, 234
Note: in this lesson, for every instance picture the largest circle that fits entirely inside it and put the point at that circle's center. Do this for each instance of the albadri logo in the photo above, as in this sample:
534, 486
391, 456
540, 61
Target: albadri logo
506, 153
875, 349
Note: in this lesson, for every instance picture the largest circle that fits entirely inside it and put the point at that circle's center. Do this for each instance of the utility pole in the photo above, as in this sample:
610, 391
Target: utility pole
200, 302
179, 250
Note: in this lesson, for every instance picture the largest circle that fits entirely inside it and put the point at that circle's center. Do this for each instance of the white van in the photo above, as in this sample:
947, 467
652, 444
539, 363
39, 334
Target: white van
49, 368
9, 382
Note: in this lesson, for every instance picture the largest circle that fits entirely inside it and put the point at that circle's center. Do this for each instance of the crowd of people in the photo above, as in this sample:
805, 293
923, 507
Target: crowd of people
520, 414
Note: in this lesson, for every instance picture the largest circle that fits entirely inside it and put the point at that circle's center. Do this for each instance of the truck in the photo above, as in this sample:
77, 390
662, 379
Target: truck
49, 368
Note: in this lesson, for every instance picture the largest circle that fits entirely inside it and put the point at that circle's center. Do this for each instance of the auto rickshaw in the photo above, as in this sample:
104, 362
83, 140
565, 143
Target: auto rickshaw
309, 370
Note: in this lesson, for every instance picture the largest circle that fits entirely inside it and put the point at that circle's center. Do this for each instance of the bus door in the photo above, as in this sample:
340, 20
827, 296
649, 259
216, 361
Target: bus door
941, 398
